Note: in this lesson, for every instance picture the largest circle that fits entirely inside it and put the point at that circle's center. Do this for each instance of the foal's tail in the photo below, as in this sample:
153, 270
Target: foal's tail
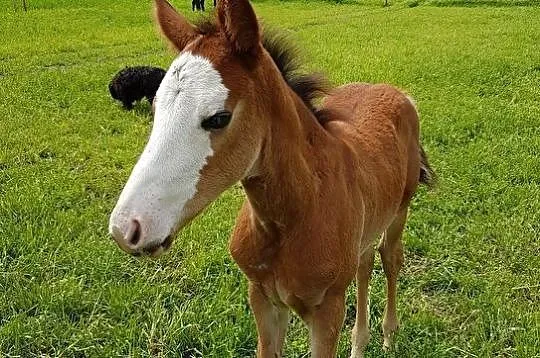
427, 175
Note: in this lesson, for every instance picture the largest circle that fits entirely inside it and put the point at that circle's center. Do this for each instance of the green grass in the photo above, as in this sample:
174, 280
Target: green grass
471, 282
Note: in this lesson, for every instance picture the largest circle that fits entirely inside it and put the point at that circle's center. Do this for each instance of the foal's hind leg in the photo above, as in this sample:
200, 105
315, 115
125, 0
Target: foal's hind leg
391, 250
360, 332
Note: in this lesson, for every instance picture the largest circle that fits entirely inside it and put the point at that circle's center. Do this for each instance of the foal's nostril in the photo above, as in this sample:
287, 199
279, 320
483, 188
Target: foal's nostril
134, 233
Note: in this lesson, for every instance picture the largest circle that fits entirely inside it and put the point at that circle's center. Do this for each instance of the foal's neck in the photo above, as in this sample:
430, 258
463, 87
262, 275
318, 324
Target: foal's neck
286, 185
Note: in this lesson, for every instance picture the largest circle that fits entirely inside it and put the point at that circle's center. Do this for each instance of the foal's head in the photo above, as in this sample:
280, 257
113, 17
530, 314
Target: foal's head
208, 125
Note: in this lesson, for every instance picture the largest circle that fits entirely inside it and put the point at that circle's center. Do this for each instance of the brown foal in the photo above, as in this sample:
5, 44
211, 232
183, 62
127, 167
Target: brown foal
322, 183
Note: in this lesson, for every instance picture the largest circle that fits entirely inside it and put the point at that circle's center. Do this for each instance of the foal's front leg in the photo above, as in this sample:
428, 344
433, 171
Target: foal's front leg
272, 320
325, 322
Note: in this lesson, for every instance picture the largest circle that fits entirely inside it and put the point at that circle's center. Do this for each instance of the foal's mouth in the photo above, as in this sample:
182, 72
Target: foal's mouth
155, 250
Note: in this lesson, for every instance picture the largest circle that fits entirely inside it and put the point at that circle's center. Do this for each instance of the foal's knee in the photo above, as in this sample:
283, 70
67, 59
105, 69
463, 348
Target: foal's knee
391, 255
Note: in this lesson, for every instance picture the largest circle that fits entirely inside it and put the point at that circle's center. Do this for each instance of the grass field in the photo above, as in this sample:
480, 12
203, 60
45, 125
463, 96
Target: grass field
471, 282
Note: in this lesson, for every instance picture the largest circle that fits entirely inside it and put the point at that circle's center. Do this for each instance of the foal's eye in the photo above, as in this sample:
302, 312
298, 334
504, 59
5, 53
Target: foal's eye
217, 121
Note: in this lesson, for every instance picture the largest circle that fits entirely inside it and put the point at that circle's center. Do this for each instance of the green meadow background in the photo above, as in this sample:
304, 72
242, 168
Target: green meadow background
470, 286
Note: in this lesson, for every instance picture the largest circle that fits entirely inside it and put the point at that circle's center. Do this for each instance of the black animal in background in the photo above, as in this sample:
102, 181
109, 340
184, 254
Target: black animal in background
134, 83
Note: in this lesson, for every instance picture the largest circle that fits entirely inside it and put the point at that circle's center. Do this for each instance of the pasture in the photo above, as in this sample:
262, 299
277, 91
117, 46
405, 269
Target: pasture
470, 286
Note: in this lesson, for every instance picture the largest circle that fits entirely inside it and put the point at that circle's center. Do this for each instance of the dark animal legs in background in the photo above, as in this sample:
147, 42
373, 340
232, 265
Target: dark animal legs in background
199, 5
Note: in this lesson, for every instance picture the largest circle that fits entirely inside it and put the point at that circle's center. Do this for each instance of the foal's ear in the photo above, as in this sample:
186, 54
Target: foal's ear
174, 26
239, 22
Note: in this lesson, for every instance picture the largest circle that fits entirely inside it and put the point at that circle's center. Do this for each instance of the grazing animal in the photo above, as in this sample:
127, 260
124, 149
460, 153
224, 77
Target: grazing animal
322, 183
134, 83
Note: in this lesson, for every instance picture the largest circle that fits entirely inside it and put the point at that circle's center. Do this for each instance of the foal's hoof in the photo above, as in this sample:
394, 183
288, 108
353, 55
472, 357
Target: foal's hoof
388, 342
389, 330
357, 353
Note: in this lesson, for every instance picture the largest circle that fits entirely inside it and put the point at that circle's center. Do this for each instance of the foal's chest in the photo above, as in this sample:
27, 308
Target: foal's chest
282, 282
286, 269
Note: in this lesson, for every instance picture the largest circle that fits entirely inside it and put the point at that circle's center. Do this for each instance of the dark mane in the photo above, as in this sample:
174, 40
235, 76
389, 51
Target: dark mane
308, 86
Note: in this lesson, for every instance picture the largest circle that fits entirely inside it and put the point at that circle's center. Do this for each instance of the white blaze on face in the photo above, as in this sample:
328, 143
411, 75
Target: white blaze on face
168, 171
